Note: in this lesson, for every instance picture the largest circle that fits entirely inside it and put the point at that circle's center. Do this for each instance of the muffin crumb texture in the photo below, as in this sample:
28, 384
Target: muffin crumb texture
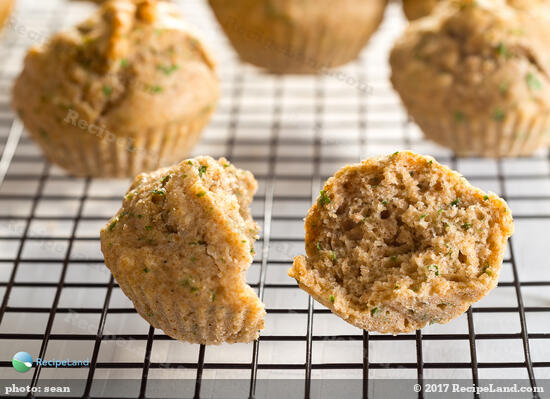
180, 246
397, 242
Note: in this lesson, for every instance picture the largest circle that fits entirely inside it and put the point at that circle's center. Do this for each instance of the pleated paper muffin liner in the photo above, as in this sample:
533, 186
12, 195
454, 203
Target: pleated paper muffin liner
517, 135
282, 47
210, 324
104, 154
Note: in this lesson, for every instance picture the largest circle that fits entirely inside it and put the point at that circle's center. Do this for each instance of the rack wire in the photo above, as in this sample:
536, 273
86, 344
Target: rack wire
292, 133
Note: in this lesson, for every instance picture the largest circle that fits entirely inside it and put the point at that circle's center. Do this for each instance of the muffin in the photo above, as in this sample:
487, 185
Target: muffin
415, 9
127, 91
475, 76
179, 248
289, 36
5, 10
400, 241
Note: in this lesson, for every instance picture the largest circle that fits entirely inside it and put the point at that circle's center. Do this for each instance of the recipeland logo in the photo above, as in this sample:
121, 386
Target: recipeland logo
23, 362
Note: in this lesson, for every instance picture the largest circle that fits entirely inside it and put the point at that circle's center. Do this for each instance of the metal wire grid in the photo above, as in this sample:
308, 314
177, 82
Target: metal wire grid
297, 149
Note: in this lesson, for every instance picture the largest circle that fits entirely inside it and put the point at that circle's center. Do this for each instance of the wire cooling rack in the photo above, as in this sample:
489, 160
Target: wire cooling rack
59, 301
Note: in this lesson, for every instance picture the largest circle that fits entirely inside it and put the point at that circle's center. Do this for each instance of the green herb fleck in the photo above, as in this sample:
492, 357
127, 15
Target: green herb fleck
459, 116
486, 198
202, 170
107, 90
373, 311
503, 51
148, 227
434, 268
332, 255
324, 199
185, 283
395, 153
155, 89
318, 246
189, 162
441, 211
194, 289
145, 270
201, 194
394, 258
168, 69
533, 82
455, 202
487, 270
499, 115
503, 87
331, 298
384, 202
165, 179
160, 191
226, 165
466, 226
113, 224
140, 216
396, 287
193, 259
423, 216
124, 63
213, 296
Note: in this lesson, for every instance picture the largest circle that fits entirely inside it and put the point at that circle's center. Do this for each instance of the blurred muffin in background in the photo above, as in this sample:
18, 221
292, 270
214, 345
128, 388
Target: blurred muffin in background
103, 1
5, 9
126, 91
415, 9
475, 76
306, 36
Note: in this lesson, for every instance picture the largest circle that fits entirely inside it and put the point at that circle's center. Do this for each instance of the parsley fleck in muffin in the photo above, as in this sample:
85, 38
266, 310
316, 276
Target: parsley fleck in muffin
306, 36
475, 76
400, 241
128, 90
179, 248
5, 10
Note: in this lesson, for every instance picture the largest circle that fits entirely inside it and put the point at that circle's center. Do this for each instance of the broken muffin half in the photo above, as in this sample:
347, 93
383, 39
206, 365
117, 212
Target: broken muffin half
180, 246
400, 241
